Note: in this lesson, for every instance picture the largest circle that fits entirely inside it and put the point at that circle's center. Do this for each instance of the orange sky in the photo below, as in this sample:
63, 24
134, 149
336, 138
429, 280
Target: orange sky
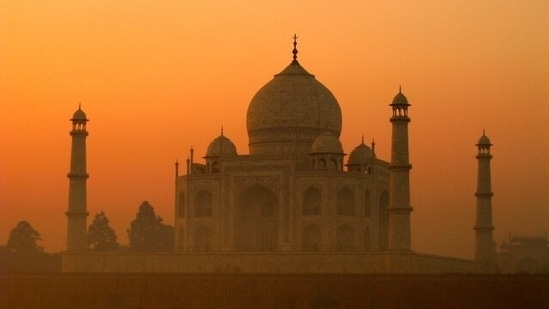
156, 77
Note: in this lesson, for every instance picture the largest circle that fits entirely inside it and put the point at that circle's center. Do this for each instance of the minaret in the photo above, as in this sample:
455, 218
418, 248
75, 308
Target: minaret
483, 229
77, 212
399, 178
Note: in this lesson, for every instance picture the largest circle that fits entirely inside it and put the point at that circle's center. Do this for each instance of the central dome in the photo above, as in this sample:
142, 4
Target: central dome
289, 112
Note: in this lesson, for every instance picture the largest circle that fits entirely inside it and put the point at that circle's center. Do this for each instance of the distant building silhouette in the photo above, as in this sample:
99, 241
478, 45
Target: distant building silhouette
524, 254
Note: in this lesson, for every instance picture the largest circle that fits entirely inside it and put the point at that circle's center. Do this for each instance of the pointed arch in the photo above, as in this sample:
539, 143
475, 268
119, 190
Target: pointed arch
331, 164
345, 202
203, 202
321, 164
312, 200
312, 238
255, 220
215, 167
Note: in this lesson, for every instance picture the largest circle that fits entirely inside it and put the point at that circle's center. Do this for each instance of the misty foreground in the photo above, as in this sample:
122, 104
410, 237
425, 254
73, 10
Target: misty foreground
58, 290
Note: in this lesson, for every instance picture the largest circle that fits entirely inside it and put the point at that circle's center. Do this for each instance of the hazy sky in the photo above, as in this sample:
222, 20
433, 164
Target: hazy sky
156, 77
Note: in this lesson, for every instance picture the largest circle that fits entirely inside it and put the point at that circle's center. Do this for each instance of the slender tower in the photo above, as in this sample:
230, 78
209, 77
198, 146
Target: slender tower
483, 229
399, 178
77, 212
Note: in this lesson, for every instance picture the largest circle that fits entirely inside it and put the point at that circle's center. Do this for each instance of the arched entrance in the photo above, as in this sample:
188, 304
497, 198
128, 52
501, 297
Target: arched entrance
255, 222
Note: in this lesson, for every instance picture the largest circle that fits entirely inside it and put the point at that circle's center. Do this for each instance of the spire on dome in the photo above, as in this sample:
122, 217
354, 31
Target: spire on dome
221, 130
294, 51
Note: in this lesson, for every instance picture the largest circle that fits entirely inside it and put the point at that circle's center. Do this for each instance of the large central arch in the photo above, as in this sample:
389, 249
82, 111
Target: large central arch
256, 220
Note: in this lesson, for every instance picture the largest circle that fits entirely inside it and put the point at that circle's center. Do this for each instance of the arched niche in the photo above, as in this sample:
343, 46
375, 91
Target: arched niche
311, 202
345, 202
256, 220
345, 238
203, 203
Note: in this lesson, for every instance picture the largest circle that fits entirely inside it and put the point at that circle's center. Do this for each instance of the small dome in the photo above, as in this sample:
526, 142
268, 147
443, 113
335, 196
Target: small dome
221, 146
79, 115
400, 99
484, 141
327, 143
360, 155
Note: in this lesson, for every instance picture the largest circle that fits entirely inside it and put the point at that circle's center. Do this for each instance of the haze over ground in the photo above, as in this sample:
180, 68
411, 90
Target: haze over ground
158, 78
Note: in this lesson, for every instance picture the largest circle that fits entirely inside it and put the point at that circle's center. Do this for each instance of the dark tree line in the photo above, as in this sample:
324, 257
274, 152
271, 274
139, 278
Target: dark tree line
147, 233
101, 237
23, 252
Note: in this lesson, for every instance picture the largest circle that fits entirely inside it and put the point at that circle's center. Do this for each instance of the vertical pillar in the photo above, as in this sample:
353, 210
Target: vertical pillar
399, 178
484, 242
77, 209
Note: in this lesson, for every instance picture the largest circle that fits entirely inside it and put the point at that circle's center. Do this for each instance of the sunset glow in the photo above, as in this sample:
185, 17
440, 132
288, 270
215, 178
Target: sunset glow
157, 77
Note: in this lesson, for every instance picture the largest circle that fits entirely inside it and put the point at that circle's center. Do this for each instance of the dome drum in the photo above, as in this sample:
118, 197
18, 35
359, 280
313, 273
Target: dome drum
327, 143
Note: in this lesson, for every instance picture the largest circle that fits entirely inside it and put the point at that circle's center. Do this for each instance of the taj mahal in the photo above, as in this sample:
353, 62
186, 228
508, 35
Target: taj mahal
297, 202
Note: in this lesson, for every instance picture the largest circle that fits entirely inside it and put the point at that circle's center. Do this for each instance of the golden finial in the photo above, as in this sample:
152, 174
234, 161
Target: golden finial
294, 51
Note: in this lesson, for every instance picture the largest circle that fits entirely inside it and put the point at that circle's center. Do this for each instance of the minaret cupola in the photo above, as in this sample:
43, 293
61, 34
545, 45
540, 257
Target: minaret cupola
79, 119
484, 144
400, 104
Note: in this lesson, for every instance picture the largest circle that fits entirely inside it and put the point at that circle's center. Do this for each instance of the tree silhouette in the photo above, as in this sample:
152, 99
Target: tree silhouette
24, 239
148, 233
101, 237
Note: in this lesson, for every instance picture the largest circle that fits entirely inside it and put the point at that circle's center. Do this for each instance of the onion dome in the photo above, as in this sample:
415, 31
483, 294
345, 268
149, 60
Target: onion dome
360, 155
327, 143
221, 146
79, 115
484, 140
289, 112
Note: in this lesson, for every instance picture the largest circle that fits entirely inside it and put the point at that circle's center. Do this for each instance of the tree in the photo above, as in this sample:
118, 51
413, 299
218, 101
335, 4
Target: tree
148, 233
24, 239
101, 237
